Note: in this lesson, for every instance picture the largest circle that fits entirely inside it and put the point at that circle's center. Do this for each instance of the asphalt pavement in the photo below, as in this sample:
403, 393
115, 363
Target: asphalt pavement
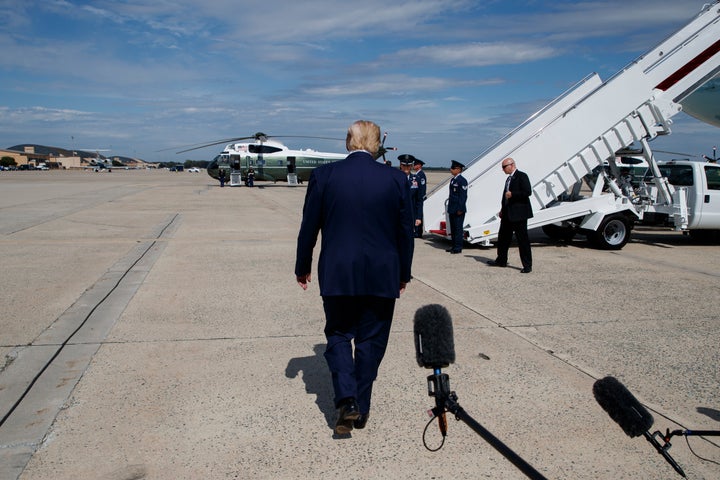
152, 328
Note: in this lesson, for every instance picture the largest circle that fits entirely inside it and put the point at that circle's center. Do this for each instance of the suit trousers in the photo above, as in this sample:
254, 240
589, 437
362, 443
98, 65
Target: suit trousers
364, 321
456, 231
505, 238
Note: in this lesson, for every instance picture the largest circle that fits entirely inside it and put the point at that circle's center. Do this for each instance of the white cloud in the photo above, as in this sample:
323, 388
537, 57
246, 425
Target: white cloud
474, 54
40, 114
391, 86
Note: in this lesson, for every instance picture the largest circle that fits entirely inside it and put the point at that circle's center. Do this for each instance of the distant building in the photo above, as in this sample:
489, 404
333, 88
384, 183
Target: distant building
28, 156
25, 157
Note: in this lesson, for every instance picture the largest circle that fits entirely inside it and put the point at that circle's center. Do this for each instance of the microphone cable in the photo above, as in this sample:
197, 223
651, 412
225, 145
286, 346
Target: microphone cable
424, 436
687, 440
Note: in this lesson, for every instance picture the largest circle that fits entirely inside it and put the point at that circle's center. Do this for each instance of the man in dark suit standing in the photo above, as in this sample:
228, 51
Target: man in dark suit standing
363, 209
456, 206
514, 213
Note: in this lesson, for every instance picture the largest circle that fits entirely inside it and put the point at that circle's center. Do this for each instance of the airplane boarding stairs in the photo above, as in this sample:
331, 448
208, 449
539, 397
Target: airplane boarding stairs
582, 130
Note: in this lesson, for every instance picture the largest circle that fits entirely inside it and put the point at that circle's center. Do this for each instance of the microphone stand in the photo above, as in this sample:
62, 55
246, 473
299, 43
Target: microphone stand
690, 433
447, 401
662, 449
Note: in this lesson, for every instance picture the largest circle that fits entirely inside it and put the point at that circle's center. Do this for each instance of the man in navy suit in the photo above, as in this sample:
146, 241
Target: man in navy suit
363, 209
514, 213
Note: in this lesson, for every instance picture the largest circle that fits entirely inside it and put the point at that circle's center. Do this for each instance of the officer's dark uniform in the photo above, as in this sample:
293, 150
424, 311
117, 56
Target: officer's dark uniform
418, 188
421, 194
457, 208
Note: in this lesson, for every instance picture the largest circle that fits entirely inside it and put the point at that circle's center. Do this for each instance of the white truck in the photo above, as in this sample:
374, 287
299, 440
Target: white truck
684, 195
572, 144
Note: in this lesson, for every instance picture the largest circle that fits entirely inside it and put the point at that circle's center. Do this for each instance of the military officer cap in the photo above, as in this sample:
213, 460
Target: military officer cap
406, 159
417, 161
456, 164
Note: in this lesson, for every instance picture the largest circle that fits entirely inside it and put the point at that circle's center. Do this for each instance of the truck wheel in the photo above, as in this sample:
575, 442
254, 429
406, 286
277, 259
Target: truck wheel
558, 233
613, 234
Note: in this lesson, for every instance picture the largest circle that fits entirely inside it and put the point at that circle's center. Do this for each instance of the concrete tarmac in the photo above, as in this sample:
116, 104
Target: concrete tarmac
152, 328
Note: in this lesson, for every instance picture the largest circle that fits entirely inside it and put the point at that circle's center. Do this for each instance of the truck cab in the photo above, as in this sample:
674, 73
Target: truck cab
702, 183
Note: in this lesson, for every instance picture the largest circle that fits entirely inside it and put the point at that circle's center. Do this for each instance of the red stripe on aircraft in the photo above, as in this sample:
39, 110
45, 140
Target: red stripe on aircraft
689, 67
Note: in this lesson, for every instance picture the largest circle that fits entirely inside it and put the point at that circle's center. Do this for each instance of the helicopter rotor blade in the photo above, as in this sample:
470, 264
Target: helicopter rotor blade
304, 136
195, 146
259, 136
675, 153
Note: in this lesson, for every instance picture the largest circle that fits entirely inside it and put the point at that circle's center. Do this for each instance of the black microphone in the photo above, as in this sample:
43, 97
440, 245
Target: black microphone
622, 406
435, 348
633, 418
434, 344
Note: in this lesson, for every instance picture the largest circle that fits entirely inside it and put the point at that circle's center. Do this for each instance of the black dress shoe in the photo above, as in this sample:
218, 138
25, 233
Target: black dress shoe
455, 252
348, 412
495, 263
526, 270
448, 249
361, 421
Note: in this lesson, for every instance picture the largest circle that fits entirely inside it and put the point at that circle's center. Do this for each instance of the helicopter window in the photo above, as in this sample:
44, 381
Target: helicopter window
263, 149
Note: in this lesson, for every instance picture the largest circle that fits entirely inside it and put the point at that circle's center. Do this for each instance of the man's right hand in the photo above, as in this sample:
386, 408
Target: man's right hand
303, 280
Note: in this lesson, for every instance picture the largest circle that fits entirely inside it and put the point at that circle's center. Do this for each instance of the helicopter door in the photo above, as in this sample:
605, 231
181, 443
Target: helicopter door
291, 175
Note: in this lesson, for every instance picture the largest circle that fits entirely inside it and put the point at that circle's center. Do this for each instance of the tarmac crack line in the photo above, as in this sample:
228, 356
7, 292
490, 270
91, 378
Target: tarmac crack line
166, 340
44, 378
513, 330
546, 351
67, 342
657, 262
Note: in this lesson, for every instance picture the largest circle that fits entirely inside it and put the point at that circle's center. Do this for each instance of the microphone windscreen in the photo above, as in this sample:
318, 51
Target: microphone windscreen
434, 344
622, 406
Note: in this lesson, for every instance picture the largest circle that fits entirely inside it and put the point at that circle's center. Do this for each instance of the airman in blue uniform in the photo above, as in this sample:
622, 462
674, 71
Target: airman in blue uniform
417, 189
456, 206
422, 193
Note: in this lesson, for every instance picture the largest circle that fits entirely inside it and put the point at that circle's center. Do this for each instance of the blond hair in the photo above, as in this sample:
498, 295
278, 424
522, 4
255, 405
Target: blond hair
363, 135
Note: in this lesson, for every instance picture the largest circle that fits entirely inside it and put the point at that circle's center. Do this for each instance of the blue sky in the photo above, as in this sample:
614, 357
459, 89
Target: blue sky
445, 78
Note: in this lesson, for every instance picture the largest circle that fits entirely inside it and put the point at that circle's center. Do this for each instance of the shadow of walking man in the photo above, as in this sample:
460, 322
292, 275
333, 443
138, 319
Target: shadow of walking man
317, 380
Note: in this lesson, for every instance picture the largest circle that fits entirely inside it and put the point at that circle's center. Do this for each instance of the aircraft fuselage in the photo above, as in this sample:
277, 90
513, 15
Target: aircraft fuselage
271, 161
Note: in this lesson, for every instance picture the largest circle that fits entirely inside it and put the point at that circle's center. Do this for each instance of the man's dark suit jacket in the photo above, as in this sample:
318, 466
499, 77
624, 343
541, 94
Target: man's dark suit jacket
518, 207
363, 209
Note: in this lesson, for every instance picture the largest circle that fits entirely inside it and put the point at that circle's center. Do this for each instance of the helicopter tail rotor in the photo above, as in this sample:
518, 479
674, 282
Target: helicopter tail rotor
383, 149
